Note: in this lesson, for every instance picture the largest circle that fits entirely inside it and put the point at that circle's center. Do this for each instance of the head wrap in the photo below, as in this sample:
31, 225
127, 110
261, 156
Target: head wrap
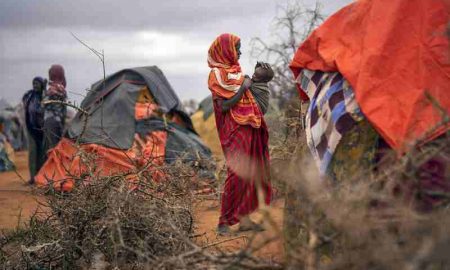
41, 81
226, 78
56, 74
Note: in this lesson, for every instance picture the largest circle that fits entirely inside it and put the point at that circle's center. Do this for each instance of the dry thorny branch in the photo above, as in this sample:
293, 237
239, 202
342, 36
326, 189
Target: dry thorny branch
130, 221
126, 220
292, 25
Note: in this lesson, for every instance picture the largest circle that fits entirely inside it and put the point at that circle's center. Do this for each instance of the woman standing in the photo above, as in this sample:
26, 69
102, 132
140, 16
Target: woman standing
55, 111
34, 121
243, 135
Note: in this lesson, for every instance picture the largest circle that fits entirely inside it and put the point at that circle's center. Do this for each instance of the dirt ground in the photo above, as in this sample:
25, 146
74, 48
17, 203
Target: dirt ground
16, 198
18, 203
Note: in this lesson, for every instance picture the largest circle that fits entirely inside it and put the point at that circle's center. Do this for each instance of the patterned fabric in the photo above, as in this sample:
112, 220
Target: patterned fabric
55, 92
56, 89
226, 78
55, 113
248, 166
398, 78
332, 112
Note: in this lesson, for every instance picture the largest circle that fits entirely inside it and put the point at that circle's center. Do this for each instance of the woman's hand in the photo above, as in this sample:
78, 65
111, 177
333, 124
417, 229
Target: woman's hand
229, 103
246, 83
263, 65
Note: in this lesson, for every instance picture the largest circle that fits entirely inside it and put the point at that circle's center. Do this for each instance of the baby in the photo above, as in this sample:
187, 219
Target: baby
259, 88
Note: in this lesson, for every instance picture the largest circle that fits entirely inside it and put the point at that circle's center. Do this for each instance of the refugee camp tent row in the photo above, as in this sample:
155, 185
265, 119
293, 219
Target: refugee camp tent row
12, 134
133, 118
6, 154
13, 125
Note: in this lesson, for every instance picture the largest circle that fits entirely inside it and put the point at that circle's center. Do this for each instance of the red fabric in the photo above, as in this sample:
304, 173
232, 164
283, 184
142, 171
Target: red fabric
56, 74
247, 156
392, 52
226, 78
56, 89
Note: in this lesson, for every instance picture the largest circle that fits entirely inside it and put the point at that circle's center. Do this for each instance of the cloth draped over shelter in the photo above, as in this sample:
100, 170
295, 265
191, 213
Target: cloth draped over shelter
395, 55
124, 111
7, 157
333, 111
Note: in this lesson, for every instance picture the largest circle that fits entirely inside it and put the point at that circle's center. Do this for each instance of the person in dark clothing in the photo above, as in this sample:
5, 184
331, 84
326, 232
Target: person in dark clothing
34, 120
54, 111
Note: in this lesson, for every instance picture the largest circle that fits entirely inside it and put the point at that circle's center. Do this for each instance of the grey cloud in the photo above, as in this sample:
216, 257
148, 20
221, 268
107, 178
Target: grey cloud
35, 34
114, 15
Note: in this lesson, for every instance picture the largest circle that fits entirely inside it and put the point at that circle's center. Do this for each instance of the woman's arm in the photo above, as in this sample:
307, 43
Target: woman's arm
229, 103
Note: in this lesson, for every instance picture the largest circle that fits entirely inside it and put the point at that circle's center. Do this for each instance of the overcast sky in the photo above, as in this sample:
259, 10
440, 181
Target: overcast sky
172, 34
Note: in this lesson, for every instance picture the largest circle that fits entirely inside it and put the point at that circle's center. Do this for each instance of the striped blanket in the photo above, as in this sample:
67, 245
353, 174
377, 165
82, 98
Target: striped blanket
332, 112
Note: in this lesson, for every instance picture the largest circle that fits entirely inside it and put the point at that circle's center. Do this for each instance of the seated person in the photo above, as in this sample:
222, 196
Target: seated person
259, 88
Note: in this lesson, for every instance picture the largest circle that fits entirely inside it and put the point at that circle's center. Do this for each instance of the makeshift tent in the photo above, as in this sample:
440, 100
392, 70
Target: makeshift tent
205, 125
395, 54
20, 113
6, 154
4, 104
13, 129
134, 119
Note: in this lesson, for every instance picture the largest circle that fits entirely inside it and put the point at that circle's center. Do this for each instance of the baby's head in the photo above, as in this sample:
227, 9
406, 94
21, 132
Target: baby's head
263, 75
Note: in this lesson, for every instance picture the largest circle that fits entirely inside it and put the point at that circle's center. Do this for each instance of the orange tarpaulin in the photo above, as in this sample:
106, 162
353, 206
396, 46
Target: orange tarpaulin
66, 161
392, 52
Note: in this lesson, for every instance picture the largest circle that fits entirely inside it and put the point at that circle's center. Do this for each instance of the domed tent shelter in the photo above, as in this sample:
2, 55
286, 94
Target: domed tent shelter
4, 104
13, 128
205, 124
6, 154
131, 120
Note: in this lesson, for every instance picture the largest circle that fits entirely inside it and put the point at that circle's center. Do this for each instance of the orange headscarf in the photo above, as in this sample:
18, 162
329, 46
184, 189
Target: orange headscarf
226, 78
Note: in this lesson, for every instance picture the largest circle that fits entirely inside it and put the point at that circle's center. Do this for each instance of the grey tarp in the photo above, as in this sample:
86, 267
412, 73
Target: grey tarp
13, 129
112, 124
111, 105
151, 76
5, 163
181, 143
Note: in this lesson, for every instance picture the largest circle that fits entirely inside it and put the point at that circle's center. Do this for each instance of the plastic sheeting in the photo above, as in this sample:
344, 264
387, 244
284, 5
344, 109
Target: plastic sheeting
395, 54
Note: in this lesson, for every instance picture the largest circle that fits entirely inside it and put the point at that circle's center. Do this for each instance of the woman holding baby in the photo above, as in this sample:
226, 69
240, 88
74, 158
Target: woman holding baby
242, 131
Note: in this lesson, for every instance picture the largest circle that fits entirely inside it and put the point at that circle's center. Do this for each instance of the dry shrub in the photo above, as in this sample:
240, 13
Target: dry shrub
128, 223
373, 221
285, 129
123, 221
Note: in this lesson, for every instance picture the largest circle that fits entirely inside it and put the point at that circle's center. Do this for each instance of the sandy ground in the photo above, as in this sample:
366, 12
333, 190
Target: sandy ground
18, 204
266, 244
16, 199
